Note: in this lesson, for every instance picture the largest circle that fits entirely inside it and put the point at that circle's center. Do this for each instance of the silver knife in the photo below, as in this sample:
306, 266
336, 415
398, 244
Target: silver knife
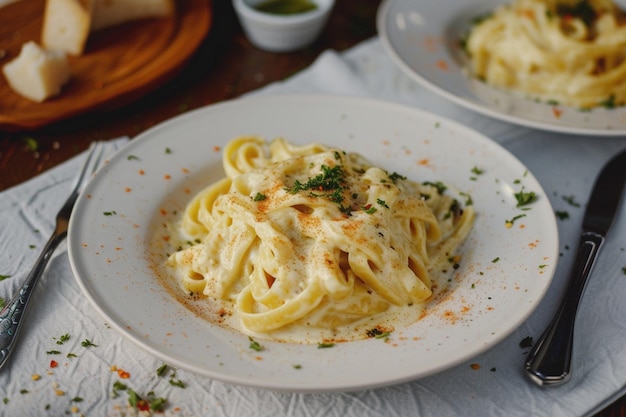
549, 361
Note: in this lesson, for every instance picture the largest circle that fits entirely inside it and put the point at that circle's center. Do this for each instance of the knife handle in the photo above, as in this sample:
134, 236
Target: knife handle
549, 361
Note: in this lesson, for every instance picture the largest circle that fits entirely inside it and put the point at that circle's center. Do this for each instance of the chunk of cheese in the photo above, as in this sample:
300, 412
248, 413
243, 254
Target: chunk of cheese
37, 74
108, 13
66, 25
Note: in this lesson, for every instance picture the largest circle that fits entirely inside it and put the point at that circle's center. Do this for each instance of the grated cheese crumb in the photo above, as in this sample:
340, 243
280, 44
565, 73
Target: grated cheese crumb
35, 377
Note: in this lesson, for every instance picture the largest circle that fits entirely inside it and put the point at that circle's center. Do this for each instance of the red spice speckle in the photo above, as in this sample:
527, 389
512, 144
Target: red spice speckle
528, 13
475, 366
127, 189
123, 374
557, 112
142, 172
442, 65
217, 148
54, 364
143, 405
167, 177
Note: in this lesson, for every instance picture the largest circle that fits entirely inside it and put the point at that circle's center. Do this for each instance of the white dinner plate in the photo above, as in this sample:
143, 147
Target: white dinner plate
422, 38
117, 250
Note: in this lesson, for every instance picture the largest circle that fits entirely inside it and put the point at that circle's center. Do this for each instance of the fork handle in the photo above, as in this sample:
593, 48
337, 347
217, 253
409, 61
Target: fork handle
549, 361
12, 315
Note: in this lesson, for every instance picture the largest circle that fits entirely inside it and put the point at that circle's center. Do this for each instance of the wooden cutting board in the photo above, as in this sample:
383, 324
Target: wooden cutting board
120, 64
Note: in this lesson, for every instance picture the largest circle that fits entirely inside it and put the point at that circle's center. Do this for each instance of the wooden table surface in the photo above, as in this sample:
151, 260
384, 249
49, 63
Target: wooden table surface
225, 66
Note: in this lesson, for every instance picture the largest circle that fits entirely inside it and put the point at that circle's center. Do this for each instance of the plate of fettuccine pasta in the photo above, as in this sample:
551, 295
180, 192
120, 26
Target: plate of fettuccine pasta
313, 243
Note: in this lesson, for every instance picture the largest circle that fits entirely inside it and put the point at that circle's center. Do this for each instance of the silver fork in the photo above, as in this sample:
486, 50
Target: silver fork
13, 313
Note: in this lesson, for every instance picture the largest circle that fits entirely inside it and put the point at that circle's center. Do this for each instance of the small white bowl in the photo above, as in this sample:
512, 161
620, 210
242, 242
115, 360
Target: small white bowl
282, 33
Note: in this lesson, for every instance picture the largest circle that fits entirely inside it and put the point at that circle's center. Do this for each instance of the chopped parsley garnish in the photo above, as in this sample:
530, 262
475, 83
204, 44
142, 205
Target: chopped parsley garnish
477, 171
395, 177
496, 259
31, 143
162, 370
561, 215
609, 103
468, 199
177, 383
132, 157
581, 10
325, 345
168, 150
151, 402
330, 179
109, 213
87, 343
571, 201
3, 277
369, 209
259, 197
524, 198
53, 352
441, 187
526, 342
509, 223
382, 203
254, 345
64, 338
331, 183
118, 386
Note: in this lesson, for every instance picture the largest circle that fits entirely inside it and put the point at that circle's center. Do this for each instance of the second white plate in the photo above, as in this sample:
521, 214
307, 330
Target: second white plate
422, 38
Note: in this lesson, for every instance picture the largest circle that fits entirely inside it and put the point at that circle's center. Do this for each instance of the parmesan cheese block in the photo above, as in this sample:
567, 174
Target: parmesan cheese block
113, 12
37, 74
66, 25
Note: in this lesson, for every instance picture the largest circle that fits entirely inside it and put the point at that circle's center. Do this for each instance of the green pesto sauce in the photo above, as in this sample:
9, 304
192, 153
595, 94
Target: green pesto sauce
286, 6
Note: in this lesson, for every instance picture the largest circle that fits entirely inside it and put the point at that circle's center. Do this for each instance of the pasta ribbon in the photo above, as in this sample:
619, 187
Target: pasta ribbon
313, 236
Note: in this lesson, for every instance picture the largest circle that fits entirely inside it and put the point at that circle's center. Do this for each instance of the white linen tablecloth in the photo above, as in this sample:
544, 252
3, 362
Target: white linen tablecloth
83, 382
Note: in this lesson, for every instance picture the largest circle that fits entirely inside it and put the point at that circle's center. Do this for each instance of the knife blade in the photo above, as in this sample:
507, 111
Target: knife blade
549, 361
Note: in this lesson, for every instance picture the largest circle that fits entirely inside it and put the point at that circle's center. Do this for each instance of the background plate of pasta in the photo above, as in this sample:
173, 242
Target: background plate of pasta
557, 65
313, 243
